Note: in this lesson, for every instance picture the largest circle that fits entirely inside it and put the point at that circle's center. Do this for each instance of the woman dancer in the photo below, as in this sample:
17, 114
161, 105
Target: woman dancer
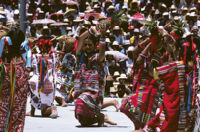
89, 78
43, 82
13, 82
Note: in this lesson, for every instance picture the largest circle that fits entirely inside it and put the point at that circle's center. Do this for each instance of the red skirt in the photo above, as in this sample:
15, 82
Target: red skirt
173, 77
84, 114
141, 107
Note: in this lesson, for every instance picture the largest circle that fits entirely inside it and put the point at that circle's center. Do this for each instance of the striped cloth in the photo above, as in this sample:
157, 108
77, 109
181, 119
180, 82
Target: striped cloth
17, 118
142, 107
173, 77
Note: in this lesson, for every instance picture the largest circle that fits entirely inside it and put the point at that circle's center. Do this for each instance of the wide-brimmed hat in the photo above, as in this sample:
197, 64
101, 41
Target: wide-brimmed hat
87, 23
131, 48
116, 73
163, 5
45, 27
116, 28
122, 76
89, 9
102, 17
165, 14
184, 9
78, 19
96, 6
173, 7
68, 28
193, 9
66, 20
111, 7
176, 18
115, 43
193, 14
107, 40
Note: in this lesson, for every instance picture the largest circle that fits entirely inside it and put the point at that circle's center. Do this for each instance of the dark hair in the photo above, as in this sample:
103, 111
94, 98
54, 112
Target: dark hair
17, 37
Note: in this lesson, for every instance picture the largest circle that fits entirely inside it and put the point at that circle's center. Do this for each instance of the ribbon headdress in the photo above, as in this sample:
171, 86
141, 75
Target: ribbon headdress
5, 40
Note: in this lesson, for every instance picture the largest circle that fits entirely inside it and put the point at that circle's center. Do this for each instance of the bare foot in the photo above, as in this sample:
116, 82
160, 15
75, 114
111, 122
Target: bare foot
64, 104
54, 113
30, 114
106, 119
116, 105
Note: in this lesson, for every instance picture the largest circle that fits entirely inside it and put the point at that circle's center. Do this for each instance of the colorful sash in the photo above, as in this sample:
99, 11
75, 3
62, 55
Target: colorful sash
173, 77
5, 40
12, 94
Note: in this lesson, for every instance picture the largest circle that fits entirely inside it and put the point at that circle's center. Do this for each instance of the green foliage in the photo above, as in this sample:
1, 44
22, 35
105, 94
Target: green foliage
152, 26
118, 17
178, 28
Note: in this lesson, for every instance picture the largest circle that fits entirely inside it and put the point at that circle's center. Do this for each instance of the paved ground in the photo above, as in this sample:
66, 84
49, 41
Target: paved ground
66, 122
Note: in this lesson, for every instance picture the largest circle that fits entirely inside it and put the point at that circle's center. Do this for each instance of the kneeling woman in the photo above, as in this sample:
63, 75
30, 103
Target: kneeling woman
89, 78
42, 84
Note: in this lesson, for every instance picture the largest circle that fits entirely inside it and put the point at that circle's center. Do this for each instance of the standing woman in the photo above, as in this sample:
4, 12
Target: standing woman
89, 78
13, 82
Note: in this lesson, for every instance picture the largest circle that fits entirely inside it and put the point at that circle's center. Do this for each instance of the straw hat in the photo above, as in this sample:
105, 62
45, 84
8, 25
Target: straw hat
89, 10
68, 28
131, 48
165, 14
107, 40
115, 43
96, 6
2, 10
124, 7
163, 5
194, 28
193, 9
122, 76
116, 28
193, 14
111, 7
173, 7
185, 9
78, 19
116, 74
94, 22
66, 20
136, 30
45, 27
87, 23
176, 18
102, 17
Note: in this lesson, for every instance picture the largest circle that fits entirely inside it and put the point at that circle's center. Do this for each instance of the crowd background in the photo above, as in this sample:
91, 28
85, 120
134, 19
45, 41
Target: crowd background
61, 22
72, 17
